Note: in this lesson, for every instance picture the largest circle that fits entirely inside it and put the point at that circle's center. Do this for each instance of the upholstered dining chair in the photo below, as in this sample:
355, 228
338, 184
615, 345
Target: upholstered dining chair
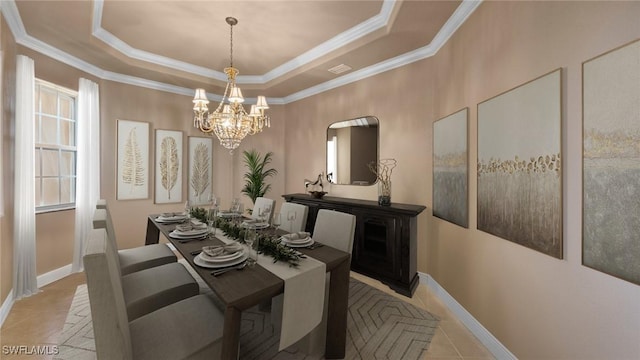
101, 204
138, 258
261, 204
300, 221
335, 229
149, 289
191, 328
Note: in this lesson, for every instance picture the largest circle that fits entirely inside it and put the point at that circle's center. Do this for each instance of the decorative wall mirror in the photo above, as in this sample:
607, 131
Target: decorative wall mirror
351, 146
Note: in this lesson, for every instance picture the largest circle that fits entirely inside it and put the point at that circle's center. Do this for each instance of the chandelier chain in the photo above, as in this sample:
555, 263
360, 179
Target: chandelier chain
231, 43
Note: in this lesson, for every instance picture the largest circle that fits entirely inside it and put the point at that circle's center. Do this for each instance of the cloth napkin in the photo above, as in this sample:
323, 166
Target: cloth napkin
301, 235
303, 300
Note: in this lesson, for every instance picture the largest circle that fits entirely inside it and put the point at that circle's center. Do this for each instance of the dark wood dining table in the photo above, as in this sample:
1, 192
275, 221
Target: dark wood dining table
241, 290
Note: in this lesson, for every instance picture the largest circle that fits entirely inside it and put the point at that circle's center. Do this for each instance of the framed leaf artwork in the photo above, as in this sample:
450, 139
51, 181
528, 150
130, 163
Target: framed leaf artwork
133, 160
200, 169
168, 164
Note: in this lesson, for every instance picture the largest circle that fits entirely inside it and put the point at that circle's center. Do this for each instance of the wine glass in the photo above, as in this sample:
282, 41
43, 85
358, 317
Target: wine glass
187, 209
266, 212
250, 236
211, 220
235, 207
291, 217
276, 221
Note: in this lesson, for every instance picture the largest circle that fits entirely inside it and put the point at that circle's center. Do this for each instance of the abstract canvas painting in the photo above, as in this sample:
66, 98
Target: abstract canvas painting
611, 163
450, 168
133, 160
519, 165
200, 169
168, 163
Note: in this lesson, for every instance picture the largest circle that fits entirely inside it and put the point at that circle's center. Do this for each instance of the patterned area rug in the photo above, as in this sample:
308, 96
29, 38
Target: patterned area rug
379, 326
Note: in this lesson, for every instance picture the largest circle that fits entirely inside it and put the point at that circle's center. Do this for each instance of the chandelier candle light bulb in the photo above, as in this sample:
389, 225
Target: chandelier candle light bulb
230, 122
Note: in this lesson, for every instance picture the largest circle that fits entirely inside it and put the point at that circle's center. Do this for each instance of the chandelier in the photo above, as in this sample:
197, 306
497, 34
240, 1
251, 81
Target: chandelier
230, 122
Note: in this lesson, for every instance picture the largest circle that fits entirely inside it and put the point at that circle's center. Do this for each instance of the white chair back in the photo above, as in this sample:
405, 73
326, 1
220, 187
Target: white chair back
102, 220
300, 221
101, 204
106, 299
336, 229
263, 203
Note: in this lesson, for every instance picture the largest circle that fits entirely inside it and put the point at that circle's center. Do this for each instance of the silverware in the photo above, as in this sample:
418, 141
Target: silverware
314, 245
194, 253
235, 267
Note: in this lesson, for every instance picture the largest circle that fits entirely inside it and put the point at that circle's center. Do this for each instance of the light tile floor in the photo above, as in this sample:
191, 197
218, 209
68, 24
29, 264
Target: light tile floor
38, 321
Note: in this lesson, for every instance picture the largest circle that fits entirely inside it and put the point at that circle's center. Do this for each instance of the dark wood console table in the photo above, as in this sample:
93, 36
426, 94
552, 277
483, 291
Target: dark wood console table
385, 243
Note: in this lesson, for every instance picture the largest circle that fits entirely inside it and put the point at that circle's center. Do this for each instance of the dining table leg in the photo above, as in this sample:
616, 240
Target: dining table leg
231, 333
336, 342
153, 233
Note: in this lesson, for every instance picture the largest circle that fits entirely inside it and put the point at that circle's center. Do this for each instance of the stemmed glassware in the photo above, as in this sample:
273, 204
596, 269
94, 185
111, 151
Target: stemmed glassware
187, 209
276, 221
213, 214
291, 217
263, 213
250, 236
236, 208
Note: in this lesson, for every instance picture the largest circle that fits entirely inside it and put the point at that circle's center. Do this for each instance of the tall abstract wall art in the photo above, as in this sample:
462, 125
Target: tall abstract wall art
133, 160
611, 163
168, 161
519, 165
200, 169
450, 168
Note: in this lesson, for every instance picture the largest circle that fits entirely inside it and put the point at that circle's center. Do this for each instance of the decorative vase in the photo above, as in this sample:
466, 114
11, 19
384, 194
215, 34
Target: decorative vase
384, 192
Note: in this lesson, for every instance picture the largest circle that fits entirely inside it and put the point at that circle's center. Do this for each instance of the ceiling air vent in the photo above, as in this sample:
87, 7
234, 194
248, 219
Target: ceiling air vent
338, 69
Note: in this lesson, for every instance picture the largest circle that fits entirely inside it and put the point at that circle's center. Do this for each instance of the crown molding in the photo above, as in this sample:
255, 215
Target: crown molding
10, 12
464, 10
370, 25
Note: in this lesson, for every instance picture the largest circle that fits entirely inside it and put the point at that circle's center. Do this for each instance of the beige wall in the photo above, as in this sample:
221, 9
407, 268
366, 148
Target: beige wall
537, 306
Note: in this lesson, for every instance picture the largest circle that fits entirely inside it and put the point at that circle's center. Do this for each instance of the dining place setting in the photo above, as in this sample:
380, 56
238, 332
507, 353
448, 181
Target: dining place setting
249, 259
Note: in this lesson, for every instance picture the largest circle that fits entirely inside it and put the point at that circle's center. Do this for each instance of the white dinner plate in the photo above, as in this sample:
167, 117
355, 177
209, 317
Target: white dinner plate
221, 259
188, 234
170, 220
256, 225
298, 244
201, 262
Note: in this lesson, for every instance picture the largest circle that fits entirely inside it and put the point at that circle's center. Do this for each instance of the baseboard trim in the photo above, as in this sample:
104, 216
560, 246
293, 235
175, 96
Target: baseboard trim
6, 307
43, 280
54, 275
484, 336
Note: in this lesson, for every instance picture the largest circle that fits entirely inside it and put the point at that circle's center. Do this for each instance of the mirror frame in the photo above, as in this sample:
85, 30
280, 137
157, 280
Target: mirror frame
353, 123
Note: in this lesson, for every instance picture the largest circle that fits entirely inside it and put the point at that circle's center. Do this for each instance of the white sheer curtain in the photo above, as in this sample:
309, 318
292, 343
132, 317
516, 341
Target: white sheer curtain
24, 222
88, 166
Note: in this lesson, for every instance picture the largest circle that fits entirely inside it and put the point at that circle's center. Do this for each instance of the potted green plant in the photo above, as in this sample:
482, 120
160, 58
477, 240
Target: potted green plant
257, 173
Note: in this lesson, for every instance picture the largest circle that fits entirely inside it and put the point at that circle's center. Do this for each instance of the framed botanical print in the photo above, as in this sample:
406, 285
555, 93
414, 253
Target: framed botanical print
200, 169
132, 160
168, 167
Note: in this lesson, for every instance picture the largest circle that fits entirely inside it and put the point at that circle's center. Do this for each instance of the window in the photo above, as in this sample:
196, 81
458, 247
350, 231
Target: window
55, 147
